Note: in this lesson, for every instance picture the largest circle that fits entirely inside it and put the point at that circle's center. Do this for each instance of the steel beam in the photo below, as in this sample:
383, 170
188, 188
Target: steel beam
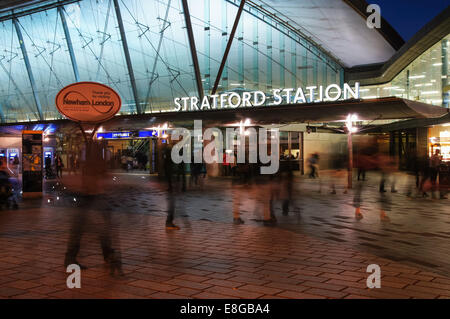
28, 67
19, 91
127, 56
198, 78
282, 60
105, 38
269, 77
155, 63
224, 42
2, 114
293, 64
256, 53
227, 50
241, 53
444, 73
207, 41
69, 44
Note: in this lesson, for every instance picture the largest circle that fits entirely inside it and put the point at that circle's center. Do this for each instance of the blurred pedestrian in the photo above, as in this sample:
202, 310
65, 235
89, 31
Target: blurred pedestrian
388, 167
71, 164
435, 163
373, 161
129, 162
239, 185
123, 161
196, 170
171, 190
313, 163
287, 179
413, 176
59, 166
425, 176
91, 197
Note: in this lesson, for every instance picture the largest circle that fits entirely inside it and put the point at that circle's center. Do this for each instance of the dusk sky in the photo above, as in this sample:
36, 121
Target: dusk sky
409, 16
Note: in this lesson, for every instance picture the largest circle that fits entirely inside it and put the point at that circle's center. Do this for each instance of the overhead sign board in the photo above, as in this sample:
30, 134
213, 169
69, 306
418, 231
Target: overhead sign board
126, 135
88, 102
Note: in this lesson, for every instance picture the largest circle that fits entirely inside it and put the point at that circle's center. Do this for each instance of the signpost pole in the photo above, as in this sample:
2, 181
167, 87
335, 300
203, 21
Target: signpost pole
350, 160
351, 129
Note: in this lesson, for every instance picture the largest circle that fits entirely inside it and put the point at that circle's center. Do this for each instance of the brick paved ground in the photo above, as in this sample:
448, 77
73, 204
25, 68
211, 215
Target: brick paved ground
317, 251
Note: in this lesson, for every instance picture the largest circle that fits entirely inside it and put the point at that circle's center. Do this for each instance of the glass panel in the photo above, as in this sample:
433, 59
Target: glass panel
284, 145
424, 80
45, 42
295, 145
264, 54
98, 47
16, 98
159, 50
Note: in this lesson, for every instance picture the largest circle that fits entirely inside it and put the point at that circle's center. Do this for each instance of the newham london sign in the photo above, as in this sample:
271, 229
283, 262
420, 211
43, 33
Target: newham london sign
88, 102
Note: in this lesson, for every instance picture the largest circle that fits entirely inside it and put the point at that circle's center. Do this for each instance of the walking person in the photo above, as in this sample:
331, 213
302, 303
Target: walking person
360, 164
413, 177
239, 185
171, 191
59, 166
269, 192
144, 160
123, 161
388, 166
76, 164
287, 179
71, 164
435, 163
129, 162
313, 162
374, 161
91, 196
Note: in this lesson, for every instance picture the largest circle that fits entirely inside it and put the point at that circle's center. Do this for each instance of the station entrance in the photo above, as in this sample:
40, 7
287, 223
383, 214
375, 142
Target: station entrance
130, 150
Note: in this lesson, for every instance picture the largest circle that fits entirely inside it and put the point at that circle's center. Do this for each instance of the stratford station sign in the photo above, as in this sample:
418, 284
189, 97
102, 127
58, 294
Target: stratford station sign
310, 94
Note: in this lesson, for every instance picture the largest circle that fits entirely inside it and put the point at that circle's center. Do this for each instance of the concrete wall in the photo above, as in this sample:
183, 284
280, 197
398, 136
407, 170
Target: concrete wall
328, 145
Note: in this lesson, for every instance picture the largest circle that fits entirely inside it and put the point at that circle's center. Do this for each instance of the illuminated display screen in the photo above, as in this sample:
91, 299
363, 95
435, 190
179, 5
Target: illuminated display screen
114, 135
150, 133
120, 135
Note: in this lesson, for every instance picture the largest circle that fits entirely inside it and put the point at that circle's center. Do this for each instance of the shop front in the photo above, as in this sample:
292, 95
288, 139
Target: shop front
439, 139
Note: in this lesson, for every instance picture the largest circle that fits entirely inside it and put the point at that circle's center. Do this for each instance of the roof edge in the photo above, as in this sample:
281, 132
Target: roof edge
433, 32
386, 30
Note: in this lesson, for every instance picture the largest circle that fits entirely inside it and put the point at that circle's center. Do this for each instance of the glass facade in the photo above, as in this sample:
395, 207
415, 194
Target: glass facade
426, 79
82, 41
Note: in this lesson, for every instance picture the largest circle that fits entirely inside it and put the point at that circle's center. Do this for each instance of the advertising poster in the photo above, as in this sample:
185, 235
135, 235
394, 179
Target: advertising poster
32, 163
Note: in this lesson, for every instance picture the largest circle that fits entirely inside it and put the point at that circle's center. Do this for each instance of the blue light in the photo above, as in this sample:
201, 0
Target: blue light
38, 127
121, 134
114, 135
147, 133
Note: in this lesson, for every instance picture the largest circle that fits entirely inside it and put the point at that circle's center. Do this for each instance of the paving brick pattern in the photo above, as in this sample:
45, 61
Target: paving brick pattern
209, 257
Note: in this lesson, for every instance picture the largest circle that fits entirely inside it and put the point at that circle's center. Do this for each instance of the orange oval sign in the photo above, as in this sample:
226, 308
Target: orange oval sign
88, 102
